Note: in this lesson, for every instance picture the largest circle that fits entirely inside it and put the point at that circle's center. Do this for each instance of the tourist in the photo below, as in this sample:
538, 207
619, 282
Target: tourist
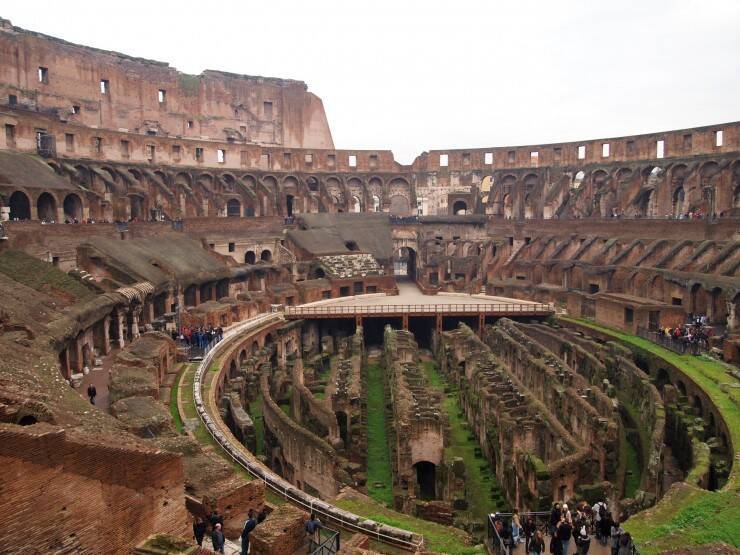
625, 544
600, 510
616, 534
564, 533
313, 530
583, 541
516, 528
199, 530
215, 518
217, 538
554, 518
529, 531
92, 393
249, 525
536, 544
567, 514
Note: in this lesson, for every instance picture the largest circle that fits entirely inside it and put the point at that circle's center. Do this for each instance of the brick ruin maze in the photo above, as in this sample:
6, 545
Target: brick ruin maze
406, 349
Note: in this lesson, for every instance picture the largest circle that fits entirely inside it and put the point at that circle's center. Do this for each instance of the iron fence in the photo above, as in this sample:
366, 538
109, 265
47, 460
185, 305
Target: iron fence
457, 308
328, 543
679, 345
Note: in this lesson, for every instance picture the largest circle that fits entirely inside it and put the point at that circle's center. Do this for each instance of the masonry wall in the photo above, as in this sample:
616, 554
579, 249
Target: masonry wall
63, 494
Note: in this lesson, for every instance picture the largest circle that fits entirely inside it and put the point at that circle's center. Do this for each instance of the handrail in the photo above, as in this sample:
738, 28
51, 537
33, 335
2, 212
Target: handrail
345, 519
500, 308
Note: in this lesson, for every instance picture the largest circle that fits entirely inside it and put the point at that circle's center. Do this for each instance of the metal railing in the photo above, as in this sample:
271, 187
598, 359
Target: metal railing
678, 345
344, 519
461, 308
328, 543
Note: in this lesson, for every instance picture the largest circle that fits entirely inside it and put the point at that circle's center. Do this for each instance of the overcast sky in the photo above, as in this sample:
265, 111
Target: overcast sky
412, 76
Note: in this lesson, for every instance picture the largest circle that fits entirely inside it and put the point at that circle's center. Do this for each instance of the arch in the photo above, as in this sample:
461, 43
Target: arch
678, 200
266, 255
137, 207
508, 206
233, 208
289, 205
578, 179
376, 201
460, 208
20, 207
404, 262
255, 347
662, 379
681, 387
46, 207
250, 257
72, 207
356, 204
697, 404
27, 420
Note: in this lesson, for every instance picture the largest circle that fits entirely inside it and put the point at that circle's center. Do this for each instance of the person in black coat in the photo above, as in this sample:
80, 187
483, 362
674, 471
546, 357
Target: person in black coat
199, 530
92, 393
217, 538
249, 525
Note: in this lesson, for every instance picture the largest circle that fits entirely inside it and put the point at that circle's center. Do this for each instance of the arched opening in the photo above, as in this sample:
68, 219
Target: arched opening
697, 404
137, 207
681, 388
87, 356
678, 198
662, 379
20, 207
233, 208
277, 466
190, 295
73, 207
404, 263
356, 205
46, 208
318, 273
736, 197
313, 184
508, 206
376, 202
289, 200
578, 180
460, 208
342, 424
426, 479
27, 420
266, 256
250, 257
351, 246
255, 347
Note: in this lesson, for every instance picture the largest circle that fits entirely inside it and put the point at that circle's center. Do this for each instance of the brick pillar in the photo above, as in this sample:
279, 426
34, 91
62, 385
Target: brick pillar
481, 324
121, 315
135, 322
150, 313
438, 323
405, 322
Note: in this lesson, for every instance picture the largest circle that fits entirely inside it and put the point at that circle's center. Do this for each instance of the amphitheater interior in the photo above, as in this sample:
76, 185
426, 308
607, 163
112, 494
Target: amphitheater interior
273, 324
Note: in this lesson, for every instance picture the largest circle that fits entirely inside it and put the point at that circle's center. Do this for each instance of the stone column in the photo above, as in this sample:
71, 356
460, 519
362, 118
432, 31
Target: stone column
135, 322
121, 315
106, 335
150, 312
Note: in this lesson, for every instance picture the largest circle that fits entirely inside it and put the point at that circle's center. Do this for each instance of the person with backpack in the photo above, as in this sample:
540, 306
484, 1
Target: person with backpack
616, 535
313, 530
583, 541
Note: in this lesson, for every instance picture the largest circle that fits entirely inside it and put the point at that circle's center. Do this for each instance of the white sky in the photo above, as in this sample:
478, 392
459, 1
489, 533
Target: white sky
412, 76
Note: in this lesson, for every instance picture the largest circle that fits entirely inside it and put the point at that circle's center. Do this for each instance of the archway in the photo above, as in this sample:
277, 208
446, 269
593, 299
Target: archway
508, 207
289, 201
678, 198
250, 257
356, 205
20, 207
662, 379
426, 479
233, 208
404, 263
376, 202
46, 208
72, 207
266, 256
27, 420
460, 208
137, 207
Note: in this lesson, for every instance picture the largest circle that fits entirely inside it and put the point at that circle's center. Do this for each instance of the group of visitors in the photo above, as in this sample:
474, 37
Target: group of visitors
566, 528
198, 336
697, 332
216, 524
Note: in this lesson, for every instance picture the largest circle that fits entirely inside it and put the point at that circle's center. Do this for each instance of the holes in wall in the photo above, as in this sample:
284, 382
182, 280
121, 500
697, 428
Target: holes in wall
97, 145
267, 109
719, 138
221, 156
104, 86
511, 156
444, 160
9, 133
198, 154
605, 148
287, 158
232, 247
557, 153
631, 147
488, 158
352, 161
12, 100
150, 151
534, 157
189, 124
125, 148
265, 161
331, 160
308, 159
43, 75
162, 96
581, 152
687, 141
373, 161
69, 142
660, 148
176, 151
75, 109
466, 159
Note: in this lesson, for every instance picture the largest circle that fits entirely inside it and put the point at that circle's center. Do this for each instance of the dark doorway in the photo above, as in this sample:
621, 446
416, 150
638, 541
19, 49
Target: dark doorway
421, 327
342, 423
20, 208
374, 328
426, 479
250, 257
289, 200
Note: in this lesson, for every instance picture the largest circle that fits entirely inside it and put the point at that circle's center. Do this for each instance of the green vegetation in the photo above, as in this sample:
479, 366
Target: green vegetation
174, 410
688, 515
439, 539
378, 454
255, 411
43, 277
479, 479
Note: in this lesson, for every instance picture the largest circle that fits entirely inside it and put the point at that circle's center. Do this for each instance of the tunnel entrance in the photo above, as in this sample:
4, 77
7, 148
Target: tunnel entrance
373, 329
342, 423
422, 327
450, 323
426, 479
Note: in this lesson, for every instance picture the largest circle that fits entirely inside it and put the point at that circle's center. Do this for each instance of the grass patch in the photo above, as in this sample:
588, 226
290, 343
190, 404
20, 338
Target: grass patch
439, 539
42, 276
255, 411
479, 482
378, 454
688, 515
174, 411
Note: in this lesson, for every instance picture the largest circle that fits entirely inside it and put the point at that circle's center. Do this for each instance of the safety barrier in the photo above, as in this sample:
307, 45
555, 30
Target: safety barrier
457, 308
344, 519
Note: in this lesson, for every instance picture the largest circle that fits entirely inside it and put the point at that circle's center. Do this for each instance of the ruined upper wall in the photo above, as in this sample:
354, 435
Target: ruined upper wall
102, 89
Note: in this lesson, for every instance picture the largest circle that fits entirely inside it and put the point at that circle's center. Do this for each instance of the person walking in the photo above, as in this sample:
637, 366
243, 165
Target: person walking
313, 528
249, 525
529, 530
217, 538
516, 528
616, 535
625, 544
554, 518
199, 530
216, 518
536, 544
92, 393
583, 541
564, 533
